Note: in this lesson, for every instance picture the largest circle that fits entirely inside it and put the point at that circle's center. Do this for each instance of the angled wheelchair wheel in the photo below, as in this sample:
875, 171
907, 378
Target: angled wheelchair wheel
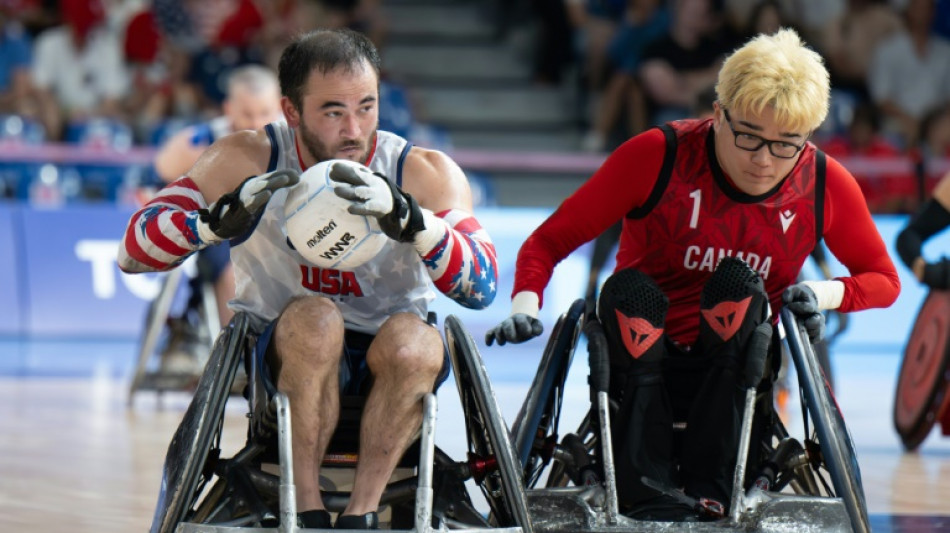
922, 383
491, 456
535, 429
835, 453
189, 460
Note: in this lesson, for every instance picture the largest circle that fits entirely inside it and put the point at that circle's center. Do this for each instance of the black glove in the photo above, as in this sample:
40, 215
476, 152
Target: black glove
757, 354
515, 329
234, 214
802, 301
937, 275
372, 194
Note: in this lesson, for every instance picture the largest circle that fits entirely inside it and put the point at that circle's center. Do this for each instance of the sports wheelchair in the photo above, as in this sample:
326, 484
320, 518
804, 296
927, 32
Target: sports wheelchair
203, 492
816, 479
161, 328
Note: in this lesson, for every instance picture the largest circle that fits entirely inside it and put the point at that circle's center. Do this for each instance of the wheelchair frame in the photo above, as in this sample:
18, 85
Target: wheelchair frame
590, 505
156, 321
244, 498
505, 468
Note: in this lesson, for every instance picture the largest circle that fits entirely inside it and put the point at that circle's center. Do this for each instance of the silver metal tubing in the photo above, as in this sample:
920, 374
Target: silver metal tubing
424, 495
610, 475
288, 494
735, 509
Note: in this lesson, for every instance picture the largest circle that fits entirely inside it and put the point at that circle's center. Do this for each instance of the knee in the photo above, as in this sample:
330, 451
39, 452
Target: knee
310, 325
406, 346
632, 308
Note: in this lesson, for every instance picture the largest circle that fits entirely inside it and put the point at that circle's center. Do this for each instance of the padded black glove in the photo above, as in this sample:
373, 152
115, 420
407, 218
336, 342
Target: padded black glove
234, 214
801, 300
372, 194
515, 329
937, 275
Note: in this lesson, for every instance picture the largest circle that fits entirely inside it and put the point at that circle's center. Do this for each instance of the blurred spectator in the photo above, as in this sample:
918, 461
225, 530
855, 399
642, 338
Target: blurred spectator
283, 19
935, 133
252, 102
230, 29
808, 16
553, 53
884, 193
684, 62
78, 67
157, 74
363, 16
16, 82
766, 17
596, 22
849, 42
644, 21
910, 72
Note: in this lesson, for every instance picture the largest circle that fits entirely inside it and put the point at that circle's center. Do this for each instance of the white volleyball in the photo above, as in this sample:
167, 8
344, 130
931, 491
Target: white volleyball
320, 228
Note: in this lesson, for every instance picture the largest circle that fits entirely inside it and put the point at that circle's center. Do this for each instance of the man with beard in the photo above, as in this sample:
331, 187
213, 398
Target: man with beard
313, 341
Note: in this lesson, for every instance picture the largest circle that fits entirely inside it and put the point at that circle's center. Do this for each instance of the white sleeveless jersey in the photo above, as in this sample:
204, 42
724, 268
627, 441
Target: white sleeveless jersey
269, 272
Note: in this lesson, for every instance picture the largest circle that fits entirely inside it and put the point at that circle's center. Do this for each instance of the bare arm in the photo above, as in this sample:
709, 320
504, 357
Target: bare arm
457, 251
177, 155
170, 227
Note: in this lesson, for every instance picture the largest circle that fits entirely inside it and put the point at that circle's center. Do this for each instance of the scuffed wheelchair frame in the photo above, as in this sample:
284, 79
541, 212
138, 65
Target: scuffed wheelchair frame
504, 458
815, 506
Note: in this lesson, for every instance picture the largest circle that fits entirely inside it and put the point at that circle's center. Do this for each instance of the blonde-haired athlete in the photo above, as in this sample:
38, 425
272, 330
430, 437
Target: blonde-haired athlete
718, 217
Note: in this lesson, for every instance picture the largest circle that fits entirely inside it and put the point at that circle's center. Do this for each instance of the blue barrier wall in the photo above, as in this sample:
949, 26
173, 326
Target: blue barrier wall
59, 279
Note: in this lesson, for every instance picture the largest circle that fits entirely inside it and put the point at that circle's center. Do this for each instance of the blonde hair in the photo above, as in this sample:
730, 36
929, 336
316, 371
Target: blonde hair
778, 71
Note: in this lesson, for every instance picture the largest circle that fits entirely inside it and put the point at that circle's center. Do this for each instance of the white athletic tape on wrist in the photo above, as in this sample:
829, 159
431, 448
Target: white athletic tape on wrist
526, 302
829, 293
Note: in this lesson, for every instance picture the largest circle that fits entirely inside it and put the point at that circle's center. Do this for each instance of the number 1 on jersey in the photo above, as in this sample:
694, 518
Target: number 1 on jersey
694, 218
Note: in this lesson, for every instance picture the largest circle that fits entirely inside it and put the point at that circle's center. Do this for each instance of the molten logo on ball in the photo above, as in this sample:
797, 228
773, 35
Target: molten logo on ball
321, 230
321, 233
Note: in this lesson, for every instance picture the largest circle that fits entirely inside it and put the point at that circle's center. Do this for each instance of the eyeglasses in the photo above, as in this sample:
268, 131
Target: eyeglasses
751, 142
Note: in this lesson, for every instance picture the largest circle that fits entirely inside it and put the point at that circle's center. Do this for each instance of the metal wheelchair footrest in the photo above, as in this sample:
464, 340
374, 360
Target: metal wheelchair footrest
582, 510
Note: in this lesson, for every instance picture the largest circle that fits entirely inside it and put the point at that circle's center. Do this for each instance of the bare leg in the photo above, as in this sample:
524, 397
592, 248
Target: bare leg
611, 104
309, 342
637, 119
405, 358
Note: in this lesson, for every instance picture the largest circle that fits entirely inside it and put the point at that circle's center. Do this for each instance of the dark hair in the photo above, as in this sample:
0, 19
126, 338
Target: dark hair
326, 51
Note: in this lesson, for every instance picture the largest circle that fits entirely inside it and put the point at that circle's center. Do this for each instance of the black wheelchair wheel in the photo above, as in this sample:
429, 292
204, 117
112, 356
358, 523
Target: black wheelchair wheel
922, 382
189, 460
535, 429
489, 442
837, 453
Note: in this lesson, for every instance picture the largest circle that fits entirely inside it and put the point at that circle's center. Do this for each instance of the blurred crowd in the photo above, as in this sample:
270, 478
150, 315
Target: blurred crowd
144, 62
637, 63
133, 72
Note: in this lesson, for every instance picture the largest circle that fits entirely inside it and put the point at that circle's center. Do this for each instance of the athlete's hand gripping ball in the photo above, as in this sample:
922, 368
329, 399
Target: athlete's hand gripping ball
234, 213
801, 300
372, 194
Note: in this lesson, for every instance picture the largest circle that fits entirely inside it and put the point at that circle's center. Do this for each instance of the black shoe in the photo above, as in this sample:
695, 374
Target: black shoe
316, 519
663, 508
369, 520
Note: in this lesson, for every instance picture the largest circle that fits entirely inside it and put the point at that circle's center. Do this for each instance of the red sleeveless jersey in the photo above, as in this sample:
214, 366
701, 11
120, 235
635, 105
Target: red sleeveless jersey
694, 217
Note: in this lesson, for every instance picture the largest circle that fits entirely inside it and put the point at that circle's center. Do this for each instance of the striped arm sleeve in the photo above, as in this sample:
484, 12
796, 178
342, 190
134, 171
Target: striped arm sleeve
163, 233
459, 257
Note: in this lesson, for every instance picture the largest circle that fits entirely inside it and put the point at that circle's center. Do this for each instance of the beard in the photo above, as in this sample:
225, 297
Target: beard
320, 151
